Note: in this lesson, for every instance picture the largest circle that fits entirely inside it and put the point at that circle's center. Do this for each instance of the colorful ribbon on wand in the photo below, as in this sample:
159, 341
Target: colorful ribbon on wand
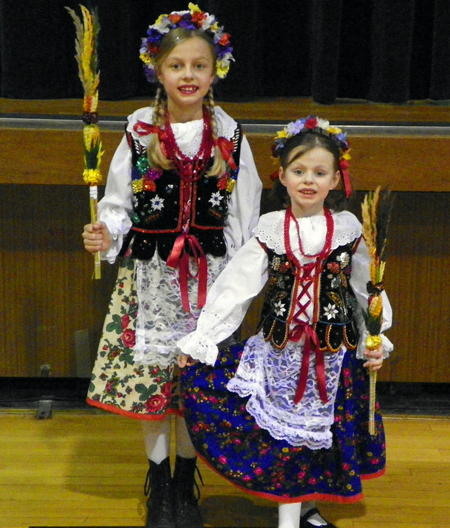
87, 29
376, 211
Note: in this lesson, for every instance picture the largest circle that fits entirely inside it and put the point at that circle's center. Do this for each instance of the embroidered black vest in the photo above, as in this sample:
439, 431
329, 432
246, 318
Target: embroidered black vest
334, 301
163, 204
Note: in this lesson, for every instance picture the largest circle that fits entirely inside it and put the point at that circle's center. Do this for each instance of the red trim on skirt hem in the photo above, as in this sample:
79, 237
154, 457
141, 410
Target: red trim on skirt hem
370, 476
324, 497
130, 414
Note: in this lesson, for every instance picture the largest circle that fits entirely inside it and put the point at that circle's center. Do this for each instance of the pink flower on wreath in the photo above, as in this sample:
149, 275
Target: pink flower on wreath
223, 459
247, 478
259, 471
125, 321
129, 338
311, 123
155, 403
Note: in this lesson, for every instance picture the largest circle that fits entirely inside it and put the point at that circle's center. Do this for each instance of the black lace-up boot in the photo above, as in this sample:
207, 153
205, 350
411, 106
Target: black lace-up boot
158, 488
186, 508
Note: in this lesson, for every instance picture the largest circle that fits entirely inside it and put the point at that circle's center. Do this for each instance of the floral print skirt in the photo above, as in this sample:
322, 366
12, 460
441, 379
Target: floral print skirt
118, 384
227, 438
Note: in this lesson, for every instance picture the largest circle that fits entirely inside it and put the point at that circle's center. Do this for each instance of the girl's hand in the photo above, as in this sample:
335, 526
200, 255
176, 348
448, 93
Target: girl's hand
96, 237
375, 358
186, 361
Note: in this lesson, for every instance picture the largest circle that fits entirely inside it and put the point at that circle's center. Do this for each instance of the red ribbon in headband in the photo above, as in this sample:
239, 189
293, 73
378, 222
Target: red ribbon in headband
226, 147
343, 167
179, 258
275, 175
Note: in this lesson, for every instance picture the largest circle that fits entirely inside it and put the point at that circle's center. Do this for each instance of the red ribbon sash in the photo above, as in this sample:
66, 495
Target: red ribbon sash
179, 258
312, 345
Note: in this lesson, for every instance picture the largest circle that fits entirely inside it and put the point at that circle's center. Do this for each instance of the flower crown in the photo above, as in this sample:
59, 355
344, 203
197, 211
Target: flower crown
195, 19
316, 125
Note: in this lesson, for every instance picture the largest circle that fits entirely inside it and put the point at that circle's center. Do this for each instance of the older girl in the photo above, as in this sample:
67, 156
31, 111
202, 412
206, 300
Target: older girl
182, 197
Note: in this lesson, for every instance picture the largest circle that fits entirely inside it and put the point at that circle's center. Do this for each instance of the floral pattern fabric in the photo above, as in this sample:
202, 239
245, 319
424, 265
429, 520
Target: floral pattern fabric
227, 437
118, 384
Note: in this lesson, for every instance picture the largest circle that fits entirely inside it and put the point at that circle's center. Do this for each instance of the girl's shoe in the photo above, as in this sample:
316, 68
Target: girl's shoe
158, 488
186, 509
304, 522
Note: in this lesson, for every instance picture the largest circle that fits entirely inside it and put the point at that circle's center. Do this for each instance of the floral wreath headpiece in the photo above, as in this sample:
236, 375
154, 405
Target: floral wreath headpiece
316, 125
195, 19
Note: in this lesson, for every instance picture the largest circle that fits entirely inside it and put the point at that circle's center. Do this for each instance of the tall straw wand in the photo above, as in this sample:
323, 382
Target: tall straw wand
87, 30
376, 211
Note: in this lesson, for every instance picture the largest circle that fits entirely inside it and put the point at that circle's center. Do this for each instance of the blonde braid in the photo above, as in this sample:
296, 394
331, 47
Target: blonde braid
154, 151
218, 168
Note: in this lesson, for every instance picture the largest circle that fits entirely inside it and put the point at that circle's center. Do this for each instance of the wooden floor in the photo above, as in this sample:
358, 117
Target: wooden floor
87, 468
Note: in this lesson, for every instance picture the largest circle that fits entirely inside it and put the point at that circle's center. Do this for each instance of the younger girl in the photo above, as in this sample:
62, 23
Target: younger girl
182, 197
285, 415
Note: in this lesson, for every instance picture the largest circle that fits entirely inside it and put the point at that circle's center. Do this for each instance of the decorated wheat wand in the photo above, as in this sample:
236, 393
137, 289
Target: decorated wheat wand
376, 212
87, 30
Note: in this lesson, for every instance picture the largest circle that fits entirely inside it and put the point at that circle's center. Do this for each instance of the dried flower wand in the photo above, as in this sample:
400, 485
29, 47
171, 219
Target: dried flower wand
376, 212
87, 30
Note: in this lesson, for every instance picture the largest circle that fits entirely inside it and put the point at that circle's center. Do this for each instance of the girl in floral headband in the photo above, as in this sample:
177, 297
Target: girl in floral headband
182, 197
284, 415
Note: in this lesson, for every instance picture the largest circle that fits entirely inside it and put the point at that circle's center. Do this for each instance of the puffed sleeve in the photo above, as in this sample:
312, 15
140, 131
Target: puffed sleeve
243, 211
227, 302
115, 205
359, 278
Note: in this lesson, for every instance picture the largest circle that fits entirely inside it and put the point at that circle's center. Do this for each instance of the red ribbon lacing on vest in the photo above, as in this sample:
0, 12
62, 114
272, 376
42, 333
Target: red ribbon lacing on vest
306, 275
311, 344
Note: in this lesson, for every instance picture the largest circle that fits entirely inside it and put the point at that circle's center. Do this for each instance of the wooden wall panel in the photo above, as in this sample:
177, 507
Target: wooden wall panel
54, 157
46, 289
47, 293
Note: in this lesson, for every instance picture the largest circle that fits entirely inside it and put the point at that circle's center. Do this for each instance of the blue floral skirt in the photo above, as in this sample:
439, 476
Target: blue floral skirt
227, 438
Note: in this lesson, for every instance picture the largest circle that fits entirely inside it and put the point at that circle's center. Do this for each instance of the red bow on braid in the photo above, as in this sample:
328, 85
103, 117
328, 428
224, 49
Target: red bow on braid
179, 258
144, 129
343, 167
226, 147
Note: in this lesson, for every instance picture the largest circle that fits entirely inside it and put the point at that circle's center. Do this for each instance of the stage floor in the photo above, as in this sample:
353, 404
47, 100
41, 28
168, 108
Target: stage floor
86, 469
